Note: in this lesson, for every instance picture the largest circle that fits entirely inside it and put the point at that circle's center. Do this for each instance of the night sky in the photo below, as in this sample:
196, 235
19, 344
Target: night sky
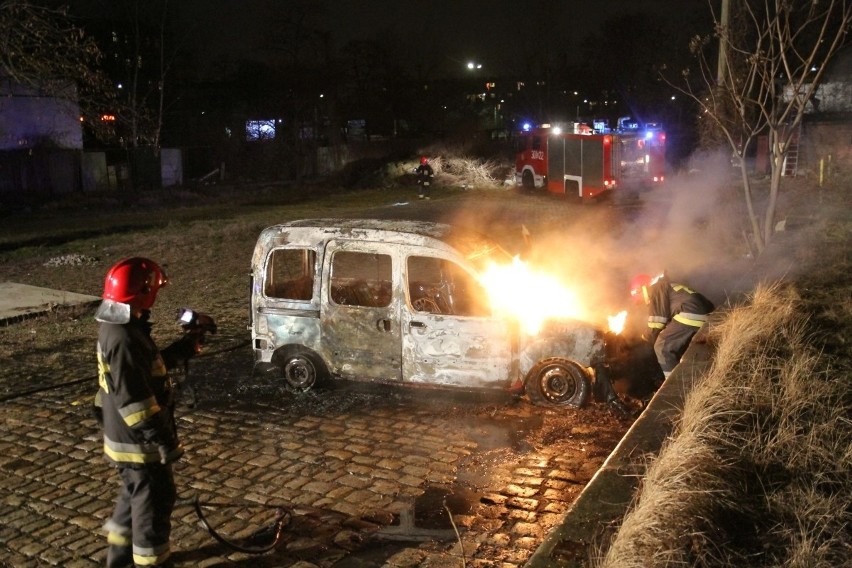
501, 34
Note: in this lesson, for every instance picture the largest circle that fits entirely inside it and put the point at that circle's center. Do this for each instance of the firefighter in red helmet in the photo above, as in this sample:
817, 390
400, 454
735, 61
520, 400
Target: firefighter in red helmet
135, 406
675, 314
425, 173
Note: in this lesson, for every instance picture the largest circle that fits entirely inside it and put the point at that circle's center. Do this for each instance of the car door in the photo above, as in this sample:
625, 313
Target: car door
449, 335
360, 311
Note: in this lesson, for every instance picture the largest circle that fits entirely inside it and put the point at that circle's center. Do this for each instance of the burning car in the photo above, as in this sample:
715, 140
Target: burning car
407, 302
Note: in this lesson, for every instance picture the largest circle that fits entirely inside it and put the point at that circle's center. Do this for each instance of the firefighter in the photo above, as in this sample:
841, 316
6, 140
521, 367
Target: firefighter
425, 173
675, 314
135, 407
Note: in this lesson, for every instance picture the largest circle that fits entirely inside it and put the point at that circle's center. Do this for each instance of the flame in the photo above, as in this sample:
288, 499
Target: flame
530, 297
616, 322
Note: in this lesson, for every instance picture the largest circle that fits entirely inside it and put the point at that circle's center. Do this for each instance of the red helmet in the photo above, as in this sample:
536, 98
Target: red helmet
134, 281
424, 160
638, 288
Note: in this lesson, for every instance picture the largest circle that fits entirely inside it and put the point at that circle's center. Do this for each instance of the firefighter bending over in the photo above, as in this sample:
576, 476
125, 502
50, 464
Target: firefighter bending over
135, 406
675, 314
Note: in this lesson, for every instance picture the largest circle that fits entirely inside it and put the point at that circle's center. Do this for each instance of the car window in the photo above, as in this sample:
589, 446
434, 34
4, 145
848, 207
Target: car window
361, 279
290, 274
439, 286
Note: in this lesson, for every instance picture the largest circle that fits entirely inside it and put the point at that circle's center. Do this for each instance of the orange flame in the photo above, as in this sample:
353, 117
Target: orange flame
616, 322
530, 297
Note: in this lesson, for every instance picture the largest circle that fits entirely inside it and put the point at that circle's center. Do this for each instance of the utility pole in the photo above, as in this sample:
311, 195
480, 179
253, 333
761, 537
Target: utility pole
724, 21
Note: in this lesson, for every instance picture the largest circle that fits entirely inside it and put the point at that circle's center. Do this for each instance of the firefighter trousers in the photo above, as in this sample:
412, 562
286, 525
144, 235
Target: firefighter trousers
671, 344
138, 532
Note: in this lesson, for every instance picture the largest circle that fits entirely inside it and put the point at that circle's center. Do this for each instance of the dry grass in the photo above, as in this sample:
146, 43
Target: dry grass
455, 170
758, 472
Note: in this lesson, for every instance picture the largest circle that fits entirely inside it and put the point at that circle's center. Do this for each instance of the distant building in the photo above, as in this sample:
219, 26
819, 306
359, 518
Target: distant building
41, 142
31, 119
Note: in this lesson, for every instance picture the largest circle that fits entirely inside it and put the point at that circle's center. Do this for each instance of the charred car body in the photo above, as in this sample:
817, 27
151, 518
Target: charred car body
400, 302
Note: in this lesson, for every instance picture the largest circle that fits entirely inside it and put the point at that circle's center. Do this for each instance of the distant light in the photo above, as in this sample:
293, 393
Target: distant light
108, 118
321, 95
557, 131
527, 126
120, 86
575, 93
474, 65
673, 97
813, 68
649, 135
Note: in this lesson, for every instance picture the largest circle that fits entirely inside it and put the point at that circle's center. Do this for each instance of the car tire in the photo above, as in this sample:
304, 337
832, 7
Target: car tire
302, 370
558, 382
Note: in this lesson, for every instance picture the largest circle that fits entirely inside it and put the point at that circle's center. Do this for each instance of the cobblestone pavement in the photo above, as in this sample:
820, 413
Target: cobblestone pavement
367, 475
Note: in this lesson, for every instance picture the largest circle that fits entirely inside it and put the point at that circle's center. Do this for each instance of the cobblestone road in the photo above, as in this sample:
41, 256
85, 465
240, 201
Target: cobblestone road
367, 475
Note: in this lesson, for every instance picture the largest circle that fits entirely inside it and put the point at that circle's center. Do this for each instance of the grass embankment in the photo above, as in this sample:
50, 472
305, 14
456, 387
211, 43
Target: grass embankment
758, 473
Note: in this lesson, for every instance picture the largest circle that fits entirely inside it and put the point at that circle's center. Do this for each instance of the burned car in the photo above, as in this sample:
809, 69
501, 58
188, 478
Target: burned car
401, 302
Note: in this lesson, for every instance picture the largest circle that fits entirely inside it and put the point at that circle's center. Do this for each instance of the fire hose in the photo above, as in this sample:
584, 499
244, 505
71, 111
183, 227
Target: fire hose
275, 531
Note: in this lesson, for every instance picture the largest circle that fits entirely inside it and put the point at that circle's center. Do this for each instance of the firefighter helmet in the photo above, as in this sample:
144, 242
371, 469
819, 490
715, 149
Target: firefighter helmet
424, 160
639, 288
134, 281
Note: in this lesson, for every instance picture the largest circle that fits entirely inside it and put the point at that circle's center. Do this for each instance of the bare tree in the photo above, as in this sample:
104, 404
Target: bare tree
775, 56
142, 57
41, 48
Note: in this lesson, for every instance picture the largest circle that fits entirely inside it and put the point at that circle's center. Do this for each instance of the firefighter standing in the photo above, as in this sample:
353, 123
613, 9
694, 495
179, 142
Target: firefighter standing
425, 173
135, 405
675, 314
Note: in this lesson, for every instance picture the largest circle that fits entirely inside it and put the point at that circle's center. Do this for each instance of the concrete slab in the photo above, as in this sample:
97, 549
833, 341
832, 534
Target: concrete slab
18, 301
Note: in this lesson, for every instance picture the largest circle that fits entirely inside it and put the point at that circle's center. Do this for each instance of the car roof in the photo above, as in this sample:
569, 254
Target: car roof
421, 228
400, 231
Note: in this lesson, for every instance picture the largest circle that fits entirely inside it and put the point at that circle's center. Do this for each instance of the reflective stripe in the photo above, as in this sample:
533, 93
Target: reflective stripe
158, 367
150, 555
103, 371
137, 412
113, 527
656, 325
682, 288
131, 453
695, 320
657, 319
118, 540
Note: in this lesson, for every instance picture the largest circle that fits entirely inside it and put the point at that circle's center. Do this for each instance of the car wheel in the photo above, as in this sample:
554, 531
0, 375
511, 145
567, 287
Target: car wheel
303, 370
557, 382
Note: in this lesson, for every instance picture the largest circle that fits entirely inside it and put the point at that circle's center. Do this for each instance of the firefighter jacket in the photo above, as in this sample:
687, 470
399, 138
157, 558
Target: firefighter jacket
668, 301
136, 396
425, 173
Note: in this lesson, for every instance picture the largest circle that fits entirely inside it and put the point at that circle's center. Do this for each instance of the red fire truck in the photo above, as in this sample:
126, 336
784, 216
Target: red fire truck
643, 154
575, 161
588, 162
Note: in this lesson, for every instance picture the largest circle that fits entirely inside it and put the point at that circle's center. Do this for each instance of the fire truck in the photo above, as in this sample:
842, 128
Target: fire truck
589, 161
572, 161
643, 153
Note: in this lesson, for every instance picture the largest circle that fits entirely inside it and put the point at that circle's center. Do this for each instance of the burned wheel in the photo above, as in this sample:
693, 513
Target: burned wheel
557, 382
302, 370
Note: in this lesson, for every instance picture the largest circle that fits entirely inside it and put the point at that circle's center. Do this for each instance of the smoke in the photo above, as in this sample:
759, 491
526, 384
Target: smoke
694, 228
